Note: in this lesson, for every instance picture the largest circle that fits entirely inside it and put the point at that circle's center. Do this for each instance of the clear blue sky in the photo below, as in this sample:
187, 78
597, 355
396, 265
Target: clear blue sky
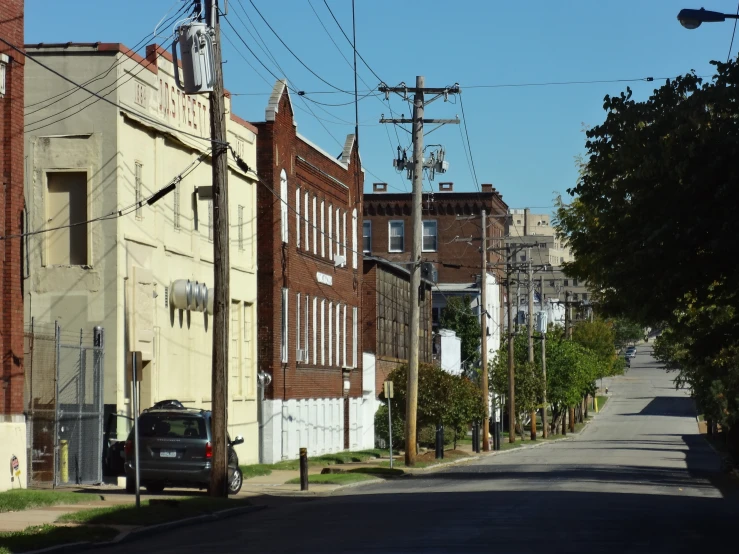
524, 139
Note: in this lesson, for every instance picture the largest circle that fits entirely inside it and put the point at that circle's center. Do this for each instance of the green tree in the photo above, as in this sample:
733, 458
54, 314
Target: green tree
598, 337
624, 331
458, 316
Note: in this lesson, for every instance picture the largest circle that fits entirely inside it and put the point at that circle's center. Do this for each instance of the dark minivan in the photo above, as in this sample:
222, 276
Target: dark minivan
176, 451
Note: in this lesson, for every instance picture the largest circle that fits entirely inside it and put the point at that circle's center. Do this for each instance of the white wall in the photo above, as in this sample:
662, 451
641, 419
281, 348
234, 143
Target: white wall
369, 402
13, 443
451, 352
314, 423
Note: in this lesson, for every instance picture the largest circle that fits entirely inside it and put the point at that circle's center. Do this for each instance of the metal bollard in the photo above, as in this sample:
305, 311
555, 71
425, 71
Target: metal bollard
303, 469
437, 442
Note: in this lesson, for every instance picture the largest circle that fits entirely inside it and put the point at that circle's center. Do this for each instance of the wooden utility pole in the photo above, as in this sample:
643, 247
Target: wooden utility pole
484, 336
531, 333
544, 430
416, 251
221, 265
511, 367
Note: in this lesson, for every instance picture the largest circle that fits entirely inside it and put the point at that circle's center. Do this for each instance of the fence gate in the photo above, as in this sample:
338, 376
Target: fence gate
64, 405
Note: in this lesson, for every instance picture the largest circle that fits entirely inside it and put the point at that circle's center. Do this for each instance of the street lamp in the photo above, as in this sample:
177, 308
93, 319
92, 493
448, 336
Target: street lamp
692, 19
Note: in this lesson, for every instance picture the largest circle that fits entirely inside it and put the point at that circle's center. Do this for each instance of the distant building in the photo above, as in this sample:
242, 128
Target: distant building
451, 242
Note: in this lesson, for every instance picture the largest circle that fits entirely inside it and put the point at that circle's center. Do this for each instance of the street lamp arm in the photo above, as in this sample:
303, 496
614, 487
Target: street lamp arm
692, 19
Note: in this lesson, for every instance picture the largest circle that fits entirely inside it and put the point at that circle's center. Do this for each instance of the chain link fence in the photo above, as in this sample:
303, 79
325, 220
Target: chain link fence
64, 405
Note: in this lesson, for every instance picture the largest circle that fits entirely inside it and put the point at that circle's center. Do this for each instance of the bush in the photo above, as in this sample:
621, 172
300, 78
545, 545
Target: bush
382, 431
427, 436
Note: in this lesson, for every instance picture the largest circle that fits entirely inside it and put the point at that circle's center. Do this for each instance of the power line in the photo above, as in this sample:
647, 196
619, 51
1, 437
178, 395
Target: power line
115, 86
728, 57
131, 208
294, 54
64, 94
92, 93
469, 146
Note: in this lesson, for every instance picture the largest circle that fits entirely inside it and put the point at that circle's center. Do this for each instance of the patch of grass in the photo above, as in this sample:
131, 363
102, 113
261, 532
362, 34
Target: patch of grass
332, 459
153, 512
18, 500
333, 478
43, 536
601, 402
256, 470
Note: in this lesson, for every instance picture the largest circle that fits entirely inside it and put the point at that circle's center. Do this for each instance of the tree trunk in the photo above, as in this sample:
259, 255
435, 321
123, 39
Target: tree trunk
587, 406
572, 419
564, 421
533, 425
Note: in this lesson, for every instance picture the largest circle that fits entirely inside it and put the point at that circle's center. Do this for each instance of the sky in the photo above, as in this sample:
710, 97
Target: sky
523, 139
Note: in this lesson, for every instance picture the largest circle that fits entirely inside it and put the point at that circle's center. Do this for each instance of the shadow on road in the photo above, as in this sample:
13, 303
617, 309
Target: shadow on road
668, 406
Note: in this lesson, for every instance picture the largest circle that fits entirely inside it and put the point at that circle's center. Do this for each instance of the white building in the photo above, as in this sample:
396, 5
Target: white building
92, 161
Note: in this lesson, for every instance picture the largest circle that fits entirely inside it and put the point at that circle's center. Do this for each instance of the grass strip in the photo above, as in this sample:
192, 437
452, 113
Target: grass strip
334, 478
152, 512
44, 536
19, 500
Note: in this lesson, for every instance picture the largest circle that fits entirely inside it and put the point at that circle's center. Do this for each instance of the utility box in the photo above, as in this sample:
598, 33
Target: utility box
196, 50
429, 272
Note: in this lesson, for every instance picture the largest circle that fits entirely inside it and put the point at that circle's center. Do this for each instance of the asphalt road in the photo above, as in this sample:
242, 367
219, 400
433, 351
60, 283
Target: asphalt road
639, 478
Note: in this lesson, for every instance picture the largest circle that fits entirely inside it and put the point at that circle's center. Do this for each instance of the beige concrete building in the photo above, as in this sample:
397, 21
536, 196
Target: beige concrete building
90, 160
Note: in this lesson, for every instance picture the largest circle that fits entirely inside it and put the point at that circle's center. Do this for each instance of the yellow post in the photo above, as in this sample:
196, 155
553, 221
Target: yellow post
64, 460
595, 403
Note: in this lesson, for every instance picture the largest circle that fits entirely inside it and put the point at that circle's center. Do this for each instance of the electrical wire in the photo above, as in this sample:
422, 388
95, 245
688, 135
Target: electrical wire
64, 94
115, 84
294, 54
731, 45
131, 208
469, 146
93, 93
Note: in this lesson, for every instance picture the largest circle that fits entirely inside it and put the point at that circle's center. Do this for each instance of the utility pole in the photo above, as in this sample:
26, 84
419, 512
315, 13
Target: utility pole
531, 333
568, 317
221, 266
544, 430
416, 167
484, 336
511, 371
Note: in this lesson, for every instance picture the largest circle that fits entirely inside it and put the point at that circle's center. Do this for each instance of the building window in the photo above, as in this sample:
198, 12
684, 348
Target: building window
523, 257
367, 236
210, 220
561, 260
567, 282
343, 335
285, 301
330, 231
338, 232
66, 207
307, 329
315, 226
354, 238
551, 283
307, 223
584, 295
139, 193
315, 330
323, 229
343, 233
297, 217
240, 212
354, 337
298, 334
338, 334
429, 236
574, 282
283, 205
330, 334
248, 346
236, 365
323, 332
396, 234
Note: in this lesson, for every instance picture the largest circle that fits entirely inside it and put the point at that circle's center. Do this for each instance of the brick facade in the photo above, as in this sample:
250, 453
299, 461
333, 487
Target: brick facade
11, 218
457, 216
328, 181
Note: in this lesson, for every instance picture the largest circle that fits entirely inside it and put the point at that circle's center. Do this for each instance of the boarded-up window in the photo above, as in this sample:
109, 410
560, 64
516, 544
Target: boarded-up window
66, 212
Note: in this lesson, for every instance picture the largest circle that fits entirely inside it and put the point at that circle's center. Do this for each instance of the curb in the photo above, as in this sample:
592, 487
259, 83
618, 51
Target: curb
142, 532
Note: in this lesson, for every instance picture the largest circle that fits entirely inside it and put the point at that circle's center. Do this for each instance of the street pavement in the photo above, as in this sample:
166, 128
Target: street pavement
638, 478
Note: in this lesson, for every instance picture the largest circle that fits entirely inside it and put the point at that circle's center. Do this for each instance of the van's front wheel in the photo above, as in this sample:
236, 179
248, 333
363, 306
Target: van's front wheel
235, 480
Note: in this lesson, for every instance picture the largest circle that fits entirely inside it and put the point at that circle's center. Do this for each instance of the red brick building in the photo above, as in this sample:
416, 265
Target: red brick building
386, 317
452, 230
12, 430
309, 288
